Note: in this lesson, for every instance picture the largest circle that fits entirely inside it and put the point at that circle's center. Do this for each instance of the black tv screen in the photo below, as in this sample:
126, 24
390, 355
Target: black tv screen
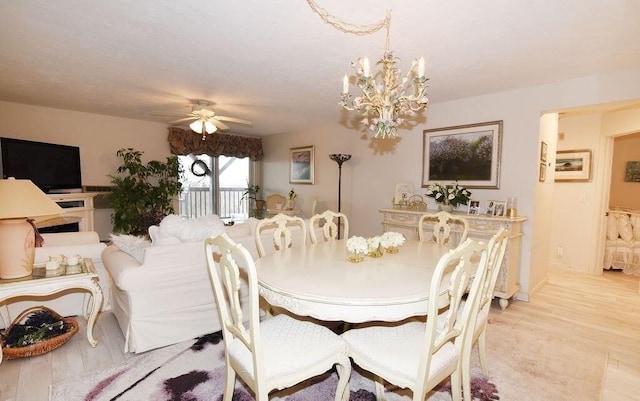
53, 168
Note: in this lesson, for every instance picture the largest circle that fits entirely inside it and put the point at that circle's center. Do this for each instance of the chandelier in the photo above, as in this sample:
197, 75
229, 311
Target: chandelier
386, 99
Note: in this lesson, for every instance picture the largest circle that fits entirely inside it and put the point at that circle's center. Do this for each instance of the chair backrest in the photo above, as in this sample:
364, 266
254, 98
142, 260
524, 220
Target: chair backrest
453, 273
441, 233
328, 222
282, 236
497, 247
273, 199
229, 265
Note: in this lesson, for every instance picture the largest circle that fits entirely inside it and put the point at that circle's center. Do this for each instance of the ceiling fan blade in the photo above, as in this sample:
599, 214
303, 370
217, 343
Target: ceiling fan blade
233, 120
159, 114
183, 120
218, 124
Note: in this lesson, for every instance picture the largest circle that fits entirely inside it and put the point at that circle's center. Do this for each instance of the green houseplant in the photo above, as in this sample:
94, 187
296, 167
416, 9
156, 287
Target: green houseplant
143, 194
253, 193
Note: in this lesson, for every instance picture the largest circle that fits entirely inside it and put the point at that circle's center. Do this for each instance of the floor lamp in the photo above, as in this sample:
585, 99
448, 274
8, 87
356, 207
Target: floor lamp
339, 158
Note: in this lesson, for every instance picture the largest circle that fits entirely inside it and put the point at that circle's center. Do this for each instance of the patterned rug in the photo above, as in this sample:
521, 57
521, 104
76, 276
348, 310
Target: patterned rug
194, 371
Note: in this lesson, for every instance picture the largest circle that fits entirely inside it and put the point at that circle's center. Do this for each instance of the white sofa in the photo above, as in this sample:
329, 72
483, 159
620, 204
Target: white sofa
166, 297
622, 246
86, 244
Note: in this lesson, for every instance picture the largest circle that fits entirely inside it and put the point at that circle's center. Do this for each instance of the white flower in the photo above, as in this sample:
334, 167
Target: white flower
373, 243
451, 194
391, 239
357, 245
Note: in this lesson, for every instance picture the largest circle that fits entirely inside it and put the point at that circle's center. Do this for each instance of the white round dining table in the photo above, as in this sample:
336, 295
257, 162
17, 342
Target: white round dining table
317, 280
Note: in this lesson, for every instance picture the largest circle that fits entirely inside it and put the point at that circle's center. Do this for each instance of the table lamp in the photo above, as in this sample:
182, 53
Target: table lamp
20, 200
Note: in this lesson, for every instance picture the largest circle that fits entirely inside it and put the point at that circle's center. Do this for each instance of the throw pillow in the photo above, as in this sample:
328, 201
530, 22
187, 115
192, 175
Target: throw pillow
624, 227
131, 244
191, 230
612, 226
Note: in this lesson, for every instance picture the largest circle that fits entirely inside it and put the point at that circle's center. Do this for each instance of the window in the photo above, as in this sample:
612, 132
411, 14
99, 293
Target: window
215, 185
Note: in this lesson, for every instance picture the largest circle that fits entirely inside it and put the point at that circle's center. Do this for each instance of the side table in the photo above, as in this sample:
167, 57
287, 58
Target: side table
42, 282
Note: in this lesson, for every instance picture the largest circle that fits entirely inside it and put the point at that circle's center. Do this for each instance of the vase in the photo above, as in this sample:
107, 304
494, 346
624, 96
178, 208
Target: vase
445, 208
392, 249
355, 257
375, 253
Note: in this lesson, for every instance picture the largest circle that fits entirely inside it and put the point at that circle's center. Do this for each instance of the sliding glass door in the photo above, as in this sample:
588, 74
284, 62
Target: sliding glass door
215, 185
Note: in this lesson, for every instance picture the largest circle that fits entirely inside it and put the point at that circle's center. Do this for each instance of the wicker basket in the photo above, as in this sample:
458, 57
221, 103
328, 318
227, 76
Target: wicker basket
43, 346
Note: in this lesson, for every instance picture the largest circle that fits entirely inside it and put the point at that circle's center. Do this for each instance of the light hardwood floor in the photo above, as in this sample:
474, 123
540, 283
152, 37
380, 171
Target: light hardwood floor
604, 308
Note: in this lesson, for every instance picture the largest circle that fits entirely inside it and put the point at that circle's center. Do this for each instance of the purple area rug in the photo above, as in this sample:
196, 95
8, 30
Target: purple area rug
194, 371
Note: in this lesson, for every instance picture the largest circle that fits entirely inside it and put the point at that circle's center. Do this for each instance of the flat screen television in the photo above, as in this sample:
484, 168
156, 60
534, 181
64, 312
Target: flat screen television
53, 168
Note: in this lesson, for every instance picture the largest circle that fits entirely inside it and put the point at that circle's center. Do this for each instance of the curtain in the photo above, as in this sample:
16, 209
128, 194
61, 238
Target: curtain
184, 141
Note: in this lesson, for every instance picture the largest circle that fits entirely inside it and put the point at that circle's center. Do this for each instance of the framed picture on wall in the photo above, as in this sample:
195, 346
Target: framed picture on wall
542, 175
632, 172
543, 151
573, 165
468, 154
301, 169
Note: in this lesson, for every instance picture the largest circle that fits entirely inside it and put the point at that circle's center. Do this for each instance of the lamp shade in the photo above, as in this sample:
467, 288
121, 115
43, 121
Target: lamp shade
196, 126
21, 198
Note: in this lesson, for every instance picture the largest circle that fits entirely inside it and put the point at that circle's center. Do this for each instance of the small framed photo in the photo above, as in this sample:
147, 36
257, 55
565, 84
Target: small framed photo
301, 165
543, 151
500, 208
542, 175
473, 207
491, 208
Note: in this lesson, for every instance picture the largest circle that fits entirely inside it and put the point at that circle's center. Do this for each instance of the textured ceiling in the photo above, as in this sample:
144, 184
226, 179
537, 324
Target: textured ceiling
278, 64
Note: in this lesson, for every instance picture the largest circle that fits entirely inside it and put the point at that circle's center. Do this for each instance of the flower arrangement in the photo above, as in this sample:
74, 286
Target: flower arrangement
452, 194
292, 194
357, 248
374, 246
391, 239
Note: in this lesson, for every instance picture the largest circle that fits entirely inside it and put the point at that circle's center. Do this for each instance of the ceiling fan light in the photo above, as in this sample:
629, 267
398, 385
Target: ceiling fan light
209, 128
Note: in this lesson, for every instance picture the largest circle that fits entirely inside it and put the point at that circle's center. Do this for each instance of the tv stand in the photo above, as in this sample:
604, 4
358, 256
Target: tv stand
76, 208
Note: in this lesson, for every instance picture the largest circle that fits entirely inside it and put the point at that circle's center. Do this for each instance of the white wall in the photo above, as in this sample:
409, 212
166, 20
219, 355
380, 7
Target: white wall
573, 202
98, 136
369, 178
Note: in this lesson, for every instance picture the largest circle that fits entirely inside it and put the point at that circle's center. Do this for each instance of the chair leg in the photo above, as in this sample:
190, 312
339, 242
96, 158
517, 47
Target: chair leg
344, 373
379, 390
456, 386
229, 384
465, 370
482, 352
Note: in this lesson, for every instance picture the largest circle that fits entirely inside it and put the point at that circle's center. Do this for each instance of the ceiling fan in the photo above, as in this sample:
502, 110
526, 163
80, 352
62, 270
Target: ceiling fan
203, 119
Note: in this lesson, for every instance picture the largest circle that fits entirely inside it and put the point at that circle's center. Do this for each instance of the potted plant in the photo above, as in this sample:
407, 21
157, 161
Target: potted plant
143, 194
450, 196
253, 193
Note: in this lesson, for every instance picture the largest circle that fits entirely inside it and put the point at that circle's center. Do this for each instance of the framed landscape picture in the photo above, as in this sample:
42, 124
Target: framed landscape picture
573, 165
301, 162
469, 154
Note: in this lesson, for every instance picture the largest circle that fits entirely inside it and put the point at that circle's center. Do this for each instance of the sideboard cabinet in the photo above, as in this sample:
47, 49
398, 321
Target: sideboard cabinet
480, 227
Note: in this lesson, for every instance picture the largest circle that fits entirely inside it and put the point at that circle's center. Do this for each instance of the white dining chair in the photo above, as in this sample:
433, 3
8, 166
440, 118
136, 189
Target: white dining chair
282, 235
328, 222
442, 227
273, 354
496, 250
418, 355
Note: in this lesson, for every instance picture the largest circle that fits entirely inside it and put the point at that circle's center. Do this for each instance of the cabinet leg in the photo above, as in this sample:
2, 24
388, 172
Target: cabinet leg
503, 303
